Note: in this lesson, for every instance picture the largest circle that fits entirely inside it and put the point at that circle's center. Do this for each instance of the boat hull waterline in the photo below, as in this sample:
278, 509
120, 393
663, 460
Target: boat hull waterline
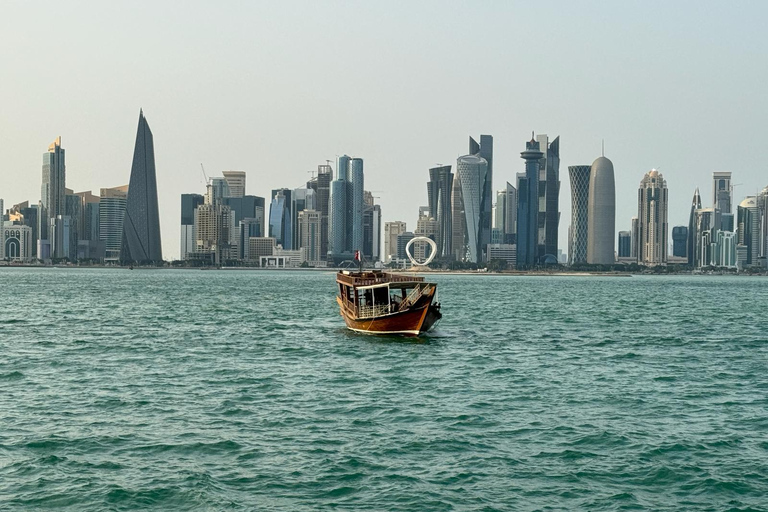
406, 323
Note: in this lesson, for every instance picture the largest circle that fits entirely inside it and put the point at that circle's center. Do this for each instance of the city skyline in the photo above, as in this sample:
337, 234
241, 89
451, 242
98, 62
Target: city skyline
651, 94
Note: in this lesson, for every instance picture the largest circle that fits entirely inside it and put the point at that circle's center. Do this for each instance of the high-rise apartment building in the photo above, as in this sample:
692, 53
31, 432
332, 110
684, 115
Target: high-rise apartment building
346, 233
426, 226
280, 218
402, 243
705, 230
652, 208
111, 218
52, 192
309, 222
88, 227
601, 213
301, 199
245, 207
439, 193
505, 216
625, 244
471, 171
748, 220
722, 192
484, 150
548, 197
635, 231
528, 206
762, 205
391, 231
577, 250
371, 229
692, 229
357, 204
680, 241
213, 226
321, 184
141, 227
187, 243
458, 227
236, 182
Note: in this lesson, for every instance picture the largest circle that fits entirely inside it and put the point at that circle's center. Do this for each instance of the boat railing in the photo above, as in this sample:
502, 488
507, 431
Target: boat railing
372, 311
412, 297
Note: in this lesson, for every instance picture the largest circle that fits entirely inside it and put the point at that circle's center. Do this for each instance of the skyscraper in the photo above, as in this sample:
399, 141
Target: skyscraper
371, 229
577, 252
141, 226
89, 220
391, 231
321, 184
301, 199
505, 219
601, 215
762, 205
347, 204
309, 234
245, 207
722, 197
236, 182
680, 241
280, 218
625, 244
692, 232
52, 192
337, 218
635, 243
549, 197
471, 171
111, 219
652, 207
485, 151
705, 228
749, 228
439, 193
357, 203
528, 206
189, 202
459, 230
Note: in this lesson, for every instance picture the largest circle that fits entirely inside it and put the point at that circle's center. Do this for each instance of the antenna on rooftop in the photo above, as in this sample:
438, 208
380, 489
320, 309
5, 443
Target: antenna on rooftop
603, 147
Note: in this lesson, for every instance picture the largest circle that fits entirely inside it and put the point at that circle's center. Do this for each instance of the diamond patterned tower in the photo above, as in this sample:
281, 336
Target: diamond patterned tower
579, 174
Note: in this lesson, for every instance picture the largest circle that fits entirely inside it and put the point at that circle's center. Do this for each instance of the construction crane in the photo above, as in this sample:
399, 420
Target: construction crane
204, 175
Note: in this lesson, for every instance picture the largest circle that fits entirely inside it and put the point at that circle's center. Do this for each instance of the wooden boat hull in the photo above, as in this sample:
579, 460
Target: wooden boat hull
411, 322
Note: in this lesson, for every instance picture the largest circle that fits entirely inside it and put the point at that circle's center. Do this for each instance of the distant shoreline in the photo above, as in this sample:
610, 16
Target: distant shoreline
510, 273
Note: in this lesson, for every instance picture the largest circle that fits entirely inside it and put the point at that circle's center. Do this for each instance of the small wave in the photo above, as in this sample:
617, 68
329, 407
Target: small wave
15, 375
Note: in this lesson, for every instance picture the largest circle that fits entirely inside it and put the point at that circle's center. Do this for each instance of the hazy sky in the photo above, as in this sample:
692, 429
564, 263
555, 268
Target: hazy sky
276, 88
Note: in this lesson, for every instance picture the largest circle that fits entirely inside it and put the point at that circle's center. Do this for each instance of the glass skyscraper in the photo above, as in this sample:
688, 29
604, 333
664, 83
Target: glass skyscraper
577, 252
141, 226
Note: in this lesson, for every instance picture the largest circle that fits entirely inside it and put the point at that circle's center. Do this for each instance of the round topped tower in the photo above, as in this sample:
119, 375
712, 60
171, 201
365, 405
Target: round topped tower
601, 213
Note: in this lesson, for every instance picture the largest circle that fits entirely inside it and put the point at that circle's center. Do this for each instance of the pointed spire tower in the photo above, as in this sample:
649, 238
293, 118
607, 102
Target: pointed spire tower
141, 227
692, 232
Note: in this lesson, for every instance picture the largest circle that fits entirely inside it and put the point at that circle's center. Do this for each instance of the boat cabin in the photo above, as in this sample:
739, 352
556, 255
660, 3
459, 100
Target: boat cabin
371, 294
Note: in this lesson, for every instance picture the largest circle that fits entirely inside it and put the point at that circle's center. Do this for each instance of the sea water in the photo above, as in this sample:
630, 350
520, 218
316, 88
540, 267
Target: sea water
242, 390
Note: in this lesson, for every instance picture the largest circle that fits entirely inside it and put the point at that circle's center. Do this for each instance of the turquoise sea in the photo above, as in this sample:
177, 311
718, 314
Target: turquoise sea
176, 390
